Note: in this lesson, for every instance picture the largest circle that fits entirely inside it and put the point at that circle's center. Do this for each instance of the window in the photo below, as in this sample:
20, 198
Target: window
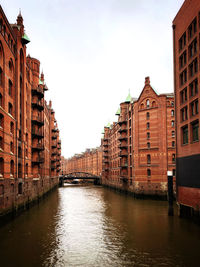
194, 107
183, 77
12, 167
173, 143
148, 115
148, 159
10, 88
148, 145
1, 100
11, 127
1, 167
153, 104
193, 67
185, 135
11, 147
173, 158
192, 28
10, 108
183, 95
148, 135
182, 41
173, 133
148, 125
172, 103
1, 142
26, 169
1, 120
174, 172
1, 77
147, 103
172, 123
172, 113
182, 60
184, 113
195, 131
148, 172
192, 50
19, 188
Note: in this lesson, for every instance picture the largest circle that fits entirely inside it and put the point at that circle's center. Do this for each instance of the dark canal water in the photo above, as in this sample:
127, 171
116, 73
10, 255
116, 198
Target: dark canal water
93, 226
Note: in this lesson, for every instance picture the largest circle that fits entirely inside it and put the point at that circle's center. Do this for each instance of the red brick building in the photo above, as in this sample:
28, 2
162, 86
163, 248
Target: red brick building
139, 149
186, 45
26, 122
90, 162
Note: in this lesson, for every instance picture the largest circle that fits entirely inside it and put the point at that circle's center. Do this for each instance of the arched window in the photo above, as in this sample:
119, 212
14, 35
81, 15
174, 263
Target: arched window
153, 104
172, 103
148, 145
148, 159
19, 170
173, 143
148, 135
10, 65
19, 188
148, 172
148, 125
12, 167
147, 103
1, 120
173, 158
26, 169
11, 147
173, 133
1, 142
172, 123
1, 190
11, 127
1, 77
1, 24
148, 115
142, 106
172, 113
10, 108
1, 100
9, 87
1, 167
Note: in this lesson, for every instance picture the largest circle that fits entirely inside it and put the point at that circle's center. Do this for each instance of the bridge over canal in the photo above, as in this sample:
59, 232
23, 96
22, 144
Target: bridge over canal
79, 175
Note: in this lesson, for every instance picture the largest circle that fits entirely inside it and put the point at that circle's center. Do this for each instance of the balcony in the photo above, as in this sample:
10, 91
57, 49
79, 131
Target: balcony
123, 137
54, 136
38, 91
124, 165
37, 133
122, 119
123, 145
37, 120
53, 159
123, 153
37, 160
54, 130
54, 144
37, 147
37, 104
123, 129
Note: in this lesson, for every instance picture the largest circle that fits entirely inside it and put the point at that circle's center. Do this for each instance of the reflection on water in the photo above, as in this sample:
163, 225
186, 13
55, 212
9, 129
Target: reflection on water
93, 226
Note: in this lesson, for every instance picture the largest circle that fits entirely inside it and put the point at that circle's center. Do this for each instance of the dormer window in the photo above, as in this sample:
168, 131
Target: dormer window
148, 103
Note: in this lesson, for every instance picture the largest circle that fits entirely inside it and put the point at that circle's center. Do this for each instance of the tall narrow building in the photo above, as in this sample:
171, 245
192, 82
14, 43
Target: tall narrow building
186, 45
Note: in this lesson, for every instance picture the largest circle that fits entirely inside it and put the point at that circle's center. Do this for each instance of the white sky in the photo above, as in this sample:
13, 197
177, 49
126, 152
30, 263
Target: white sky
92, 52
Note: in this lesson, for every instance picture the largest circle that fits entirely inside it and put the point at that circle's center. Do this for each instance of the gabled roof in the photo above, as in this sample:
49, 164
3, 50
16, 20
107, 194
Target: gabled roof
147, 84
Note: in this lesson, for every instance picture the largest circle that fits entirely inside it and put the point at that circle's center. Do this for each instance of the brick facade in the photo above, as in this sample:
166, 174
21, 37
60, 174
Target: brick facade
27, 125
90, 162
139, 149
186, 45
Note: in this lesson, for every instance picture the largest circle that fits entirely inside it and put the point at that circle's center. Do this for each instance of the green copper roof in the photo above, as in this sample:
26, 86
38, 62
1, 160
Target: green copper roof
25, 39
41, 82
118, 112
108, 125
128, 99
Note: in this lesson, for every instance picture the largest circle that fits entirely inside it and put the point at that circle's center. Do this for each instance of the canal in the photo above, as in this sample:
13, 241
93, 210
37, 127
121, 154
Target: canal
93, 226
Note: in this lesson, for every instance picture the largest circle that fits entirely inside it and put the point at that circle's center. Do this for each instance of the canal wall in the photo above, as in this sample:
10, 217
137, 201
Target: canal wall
141, 190
19, 194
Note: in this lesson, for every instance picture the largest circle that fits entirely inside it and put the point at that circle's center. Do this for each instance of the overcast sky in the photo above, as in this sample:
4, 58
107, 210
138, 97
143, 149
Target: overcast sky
92, 52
